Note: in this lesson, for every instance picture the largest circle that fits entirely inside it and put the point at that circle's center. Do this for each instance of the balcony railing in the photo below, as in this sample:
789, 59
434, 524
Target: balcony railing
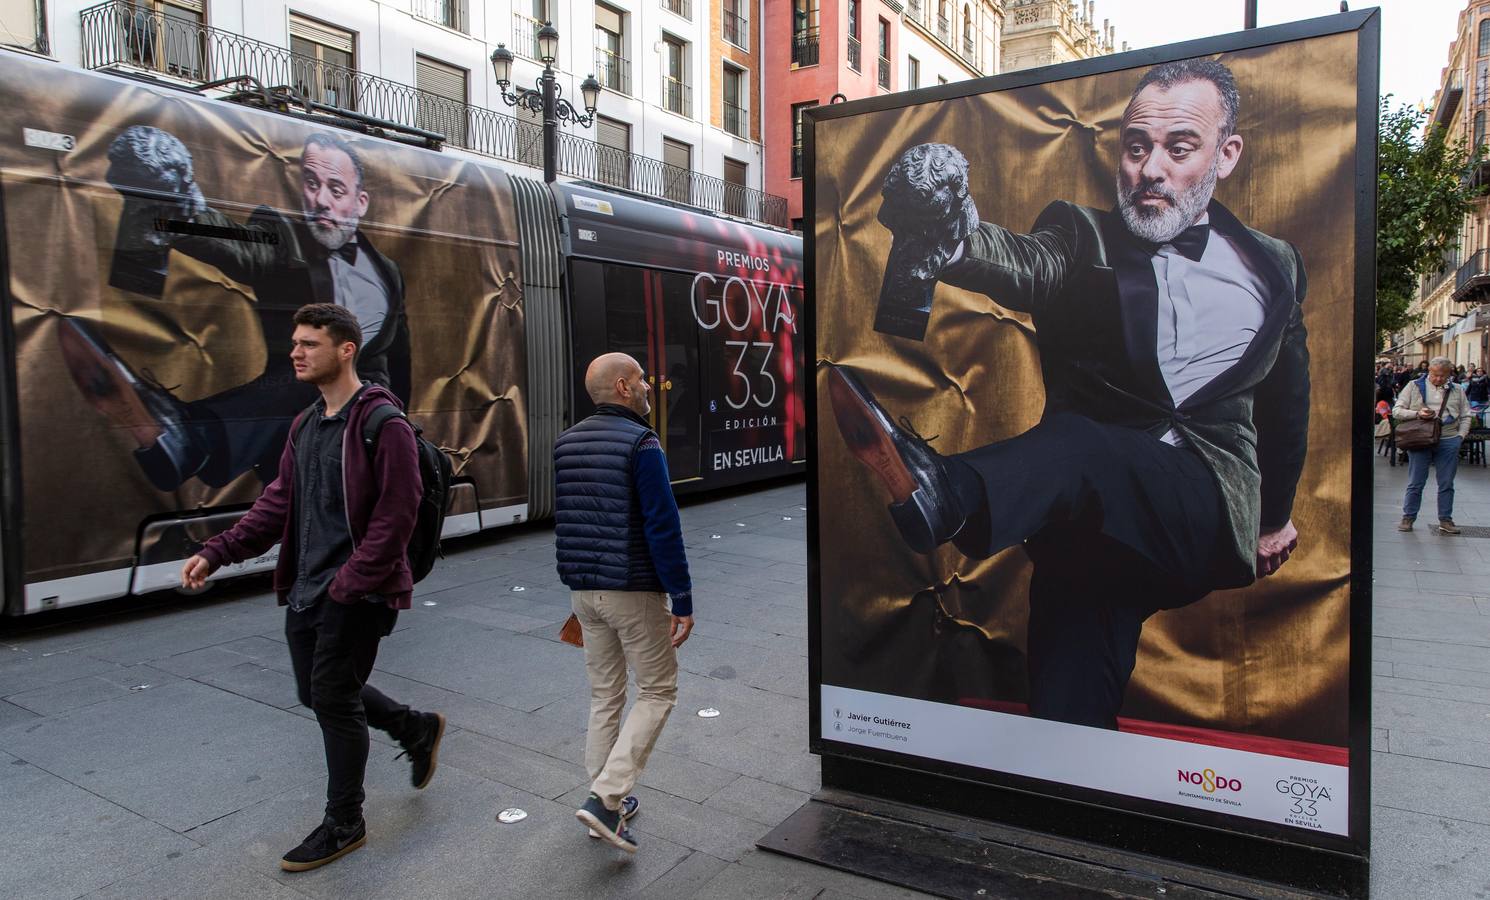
914, 8
736, 30
113, 35
735, 121
609, 165
884, 73
1473, 274
139, 37
967, 46
944, 30
805, 47
796, 160
853, 53
682, 8
677, 96
612, 70
450, 13
525, 36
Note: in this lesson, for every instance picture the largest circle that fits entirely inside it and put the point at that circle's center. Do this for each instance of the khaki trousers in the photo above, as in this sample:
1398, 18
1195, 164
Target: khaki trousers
624, 628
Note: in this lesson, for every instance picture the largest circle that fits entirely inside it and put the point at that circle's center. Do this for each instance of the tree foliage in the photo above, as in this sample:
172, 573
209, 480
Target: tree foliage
1425, 186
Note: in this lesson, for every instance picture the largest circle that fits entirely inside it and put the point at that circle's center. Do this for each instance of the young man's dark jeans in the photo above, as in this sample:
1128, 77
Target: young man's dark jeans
332, 648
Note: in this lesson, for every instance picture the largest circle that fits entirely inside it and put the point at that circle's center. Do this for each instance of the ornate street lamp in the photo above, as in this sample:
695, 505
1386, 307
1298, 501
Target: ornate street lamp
545, 97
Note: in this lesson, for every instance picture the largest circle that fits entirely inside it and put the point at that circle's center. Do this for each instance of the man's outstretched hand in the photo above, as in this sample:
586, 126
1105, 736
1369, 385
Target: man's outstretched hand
194, 573
1274, 548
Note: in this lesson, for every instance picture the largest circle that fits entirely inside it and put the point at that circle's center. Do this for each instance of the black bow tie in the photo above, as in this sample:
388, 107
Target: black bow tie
1190, 242
348, 252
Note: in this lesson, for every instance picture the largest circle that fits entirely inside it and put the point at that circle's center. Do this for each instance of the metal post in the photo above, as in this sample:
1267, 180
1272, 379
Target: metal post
550, 127
1249, 16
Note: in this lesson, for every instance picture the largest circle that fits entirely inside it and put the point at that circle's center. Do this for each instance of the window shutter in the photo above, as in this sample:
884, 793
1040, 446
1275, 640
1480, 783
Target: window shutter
675, 153
607, 18
326, 35
734, 172
438, 78
615, 134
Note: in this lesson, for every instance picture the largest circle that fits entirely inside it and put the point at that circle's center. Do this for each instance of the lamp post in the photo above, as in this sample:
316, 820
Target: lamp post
545, 97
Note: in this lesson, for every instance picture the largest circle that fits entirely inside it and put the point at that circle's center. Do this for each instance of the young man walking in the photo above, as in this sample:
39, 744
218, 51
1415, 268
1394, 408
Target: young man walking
342, 514
620, 550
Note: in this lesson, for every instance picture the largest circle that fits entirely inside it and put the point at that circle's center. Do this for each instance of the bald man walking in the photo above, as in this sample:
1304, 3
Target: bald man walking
620, 549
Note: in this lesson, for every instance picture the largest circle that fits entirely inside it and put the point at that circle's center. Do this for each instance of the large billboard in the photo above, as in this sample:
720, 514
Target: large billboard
1089, 347
157, 245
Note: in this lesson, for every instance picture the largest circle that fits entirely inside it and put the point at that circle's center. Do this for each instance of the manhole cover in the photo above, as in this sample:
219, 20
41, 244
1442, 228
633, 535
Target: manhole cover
1479, 531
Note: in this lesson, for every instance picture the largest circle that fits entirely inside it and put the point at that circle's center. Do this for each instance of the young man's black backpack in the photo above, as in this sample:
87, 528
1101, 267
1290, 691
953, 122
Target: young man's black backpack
435, 471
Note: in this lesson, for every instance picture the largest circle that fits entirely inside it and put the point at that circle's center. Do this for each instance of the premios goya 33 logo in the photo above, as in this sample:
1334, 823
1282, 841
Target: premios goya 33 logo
1207, 780
1305, 795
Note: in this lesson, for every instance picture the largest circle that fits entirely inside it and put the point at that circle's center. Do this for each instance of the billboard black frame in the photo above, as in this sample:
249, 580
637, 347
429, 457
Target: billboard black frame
1332, 863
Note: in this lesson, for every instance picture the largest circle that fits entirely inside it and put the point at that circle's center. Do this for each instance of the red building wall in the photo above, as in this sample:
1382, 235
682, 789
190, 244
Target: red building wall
786, 86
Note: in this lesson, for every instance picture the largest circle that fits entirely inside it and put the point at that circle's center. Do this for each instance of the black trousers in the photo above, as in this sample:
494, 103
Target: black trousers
332, 649
1118, 524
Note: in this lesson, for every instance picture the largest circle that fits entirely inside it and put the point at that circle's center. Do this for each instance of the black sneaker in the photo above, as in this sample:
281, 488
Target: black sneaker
607, 823
629, 806
424, 753
328, 843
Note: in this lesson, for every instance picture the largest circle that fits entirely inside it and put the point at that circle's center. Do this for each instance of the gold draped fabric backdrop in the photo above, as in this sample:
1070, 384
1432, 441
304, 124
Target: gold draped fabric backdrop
448, 224
1268, 660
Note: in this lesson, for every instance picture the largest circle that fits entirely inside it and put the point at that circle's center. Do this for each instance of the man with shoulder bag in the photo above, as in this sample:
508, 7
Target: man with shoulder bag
1433, 418
619, 546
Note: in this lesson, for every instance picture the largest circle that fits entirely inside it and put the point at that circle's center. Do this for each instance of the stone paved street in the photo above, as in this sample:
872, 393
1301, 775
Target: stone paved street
160, 752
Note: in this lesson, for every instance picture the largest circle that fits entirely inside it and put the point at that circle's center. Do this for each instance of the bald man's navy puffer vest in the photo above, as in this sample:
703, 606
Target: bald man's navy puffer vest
598, 530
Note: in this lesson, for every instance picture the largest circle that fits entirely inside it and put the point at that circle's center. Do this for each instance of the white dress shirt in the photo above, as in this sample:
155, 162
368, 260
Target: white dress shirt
360, 288
1209, 312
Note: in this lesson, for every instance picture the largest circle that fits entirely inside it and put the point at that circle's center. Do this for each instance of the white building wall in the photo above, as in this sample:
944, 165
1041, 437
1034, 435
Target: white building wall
390, 36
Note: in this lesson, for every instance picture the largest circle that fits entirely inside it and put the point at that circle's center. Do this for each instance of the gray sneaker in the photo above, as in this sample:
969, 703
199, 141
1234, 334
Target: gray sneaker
1405, 524
1447, 526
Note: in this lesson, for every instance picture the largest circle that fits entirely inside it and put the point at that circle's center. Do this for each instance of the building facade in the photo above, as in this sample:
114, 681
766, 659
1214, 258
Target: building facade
1046, 32
1453, 304
678, 116
820, 49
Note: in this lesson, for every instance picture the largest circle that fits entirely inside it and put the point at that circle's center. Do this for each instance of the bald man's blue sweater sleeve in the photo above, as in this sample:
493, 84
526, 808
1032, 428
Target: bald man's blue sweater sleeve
663, 528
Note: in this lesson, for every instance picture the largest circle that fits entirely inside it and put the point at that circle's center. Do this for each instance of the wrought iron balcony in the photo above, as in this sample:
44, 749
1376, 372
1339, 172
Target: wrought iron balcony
525, 36
735, 120
914, 8
1472, 281
944, 30
613, 70
805, 47
736, 30
884, 73
450, 13
116, 35
967, 46
593, 161
677, 96
682, 8
853, 53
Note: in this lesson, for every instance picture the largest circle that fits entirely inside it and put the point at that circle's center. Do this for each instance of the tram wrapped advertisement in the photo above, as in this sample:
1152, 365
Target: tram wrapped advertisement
157, 242
1089, 519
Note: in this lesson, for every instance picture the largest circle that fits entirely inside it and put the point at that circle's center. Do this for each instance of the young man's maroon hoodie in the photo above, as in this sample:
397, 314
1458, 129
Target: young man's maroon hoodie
382, 498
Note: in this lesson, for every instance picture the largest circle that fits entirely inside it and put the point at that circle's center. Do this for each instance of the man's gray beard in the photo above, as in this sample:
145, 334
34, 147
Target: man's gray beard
332, 237
1165, 224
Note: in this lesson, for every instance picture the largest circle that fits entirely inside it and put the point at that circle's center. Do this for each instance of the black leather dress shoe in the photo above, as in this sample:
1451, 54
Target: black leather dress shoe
170, 452
925, 507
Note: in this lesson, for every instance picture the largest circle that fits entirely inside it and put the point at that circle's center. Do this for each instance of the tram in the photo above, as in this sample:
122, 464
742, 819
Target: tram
155, 241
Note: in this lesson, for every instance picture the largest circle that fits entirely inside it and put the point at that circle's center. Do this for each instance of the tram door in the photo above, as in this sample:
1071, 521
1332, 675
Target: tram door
647, 315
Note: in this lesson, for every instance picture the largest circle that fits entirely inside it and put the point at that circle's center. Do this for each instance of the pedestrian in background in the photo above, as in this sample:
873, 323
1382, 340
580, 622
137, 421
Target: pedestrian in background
1478, 390
342, 516
619, 544
1424, 398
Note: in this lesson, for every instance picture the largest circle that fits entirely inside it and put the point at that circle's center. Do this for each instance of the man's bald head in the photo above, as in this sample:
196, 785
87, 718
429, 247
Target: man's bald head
618, 378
